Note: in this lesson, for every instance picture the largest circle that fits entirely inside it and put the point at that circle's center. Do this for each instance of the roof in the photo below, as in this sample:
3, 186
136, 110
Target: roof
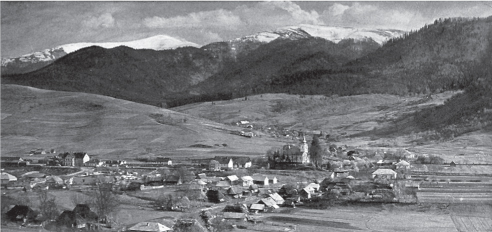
253, 186
214, 162
269, 202
202, 176
55, 179
384, 171
247, 178
313, 186
34, 175
233, 190
10, 158
257, 207
6, 176
403, 162
149, 226
232, 178
234, 215
79, 155
277, 198
223, 183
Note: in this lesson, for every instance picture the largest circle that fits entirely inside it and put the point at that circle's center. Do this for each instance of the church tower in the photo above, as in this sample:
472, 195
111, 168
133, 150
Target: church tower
304, 151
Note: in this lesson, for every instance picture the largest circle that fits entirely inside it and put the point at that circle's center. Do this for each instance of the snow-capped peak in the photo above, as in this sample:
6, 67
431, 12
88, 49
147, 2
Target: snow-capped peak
336, 34
158, 42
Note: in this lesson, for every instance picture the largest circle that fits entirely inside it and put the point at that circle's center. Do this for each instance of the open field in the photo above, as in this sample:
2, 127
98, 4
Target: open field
361, 218
108, 127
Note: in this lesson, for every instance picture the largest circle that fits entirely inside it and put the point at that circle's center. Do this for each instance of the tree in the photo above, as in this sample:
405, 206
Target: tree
316, 152
47, 206
104, 201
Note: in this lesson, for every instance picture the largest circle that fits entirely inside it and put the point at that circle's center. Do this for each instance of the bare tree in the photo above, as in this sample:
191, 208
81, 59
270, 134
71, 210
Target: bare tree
104, 201
47, 205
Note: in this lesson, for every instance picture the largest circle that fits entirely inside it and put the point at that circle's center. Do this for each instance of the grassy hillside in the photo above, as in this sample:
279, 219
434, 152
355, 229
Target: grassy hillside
34, 118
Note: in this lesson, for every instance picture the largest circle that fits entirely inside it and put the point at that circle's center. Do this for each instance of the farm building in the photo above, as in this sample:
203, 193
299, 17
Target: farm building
215, 196
94, 163
247, 181
54, 181
234, 216
164, 161
272, 180
233, 179
75, 159
149, 227
223, 184
384, 173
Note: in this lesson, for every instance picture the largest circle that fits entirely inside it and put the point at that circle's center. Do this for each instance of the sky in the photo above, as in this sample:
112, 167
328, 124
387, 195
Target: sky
34, 26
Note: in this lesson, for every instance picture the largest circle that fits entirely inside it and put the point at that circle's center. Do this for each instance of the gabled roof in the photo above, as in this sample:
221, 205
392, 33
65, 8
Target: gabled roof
149, 226
384, 171
79, 155
277, 198
223, 183
234, 190
253, 187
313, 186
269, 202
232, 178
56, 179
257, 207
234, 215
202, 176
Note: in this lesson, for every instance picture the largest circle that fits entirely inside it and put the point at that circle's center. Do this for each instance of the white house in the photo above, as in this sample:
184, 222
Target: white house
384, 173
261, 180
247, 181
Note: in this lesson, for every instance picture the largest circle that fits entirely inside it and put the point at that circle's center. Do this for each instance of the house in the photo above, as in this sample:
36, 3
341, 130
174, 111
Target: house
76, 159
149, 227
80, 217
247, 181
235, 192
94, 163
313, 187
253, 188
235, 216
223, 184
452, 164
7, 178
202, 176
305, 193
214, 165
12, 161
21, 213
384, 173
402, 165
54, 181
242, 162
272, 180
224, 162
260, 180
233, 179
277, 198
215, 196
173, 180
257, 207
38, 151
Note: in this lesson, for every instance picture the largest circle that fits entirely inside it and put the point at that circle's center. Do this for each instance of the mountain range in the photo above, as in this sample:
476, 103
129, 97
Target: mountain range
33, 61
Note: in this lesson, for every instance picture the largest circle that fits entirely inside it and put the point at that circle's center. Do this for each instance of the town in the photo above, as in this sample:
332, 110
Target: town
224, 192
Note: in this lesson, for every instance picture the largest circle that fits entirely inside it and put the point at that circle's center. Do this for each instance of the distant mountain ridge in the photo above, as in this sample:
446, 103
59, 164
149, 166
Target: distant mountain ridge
36, 60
